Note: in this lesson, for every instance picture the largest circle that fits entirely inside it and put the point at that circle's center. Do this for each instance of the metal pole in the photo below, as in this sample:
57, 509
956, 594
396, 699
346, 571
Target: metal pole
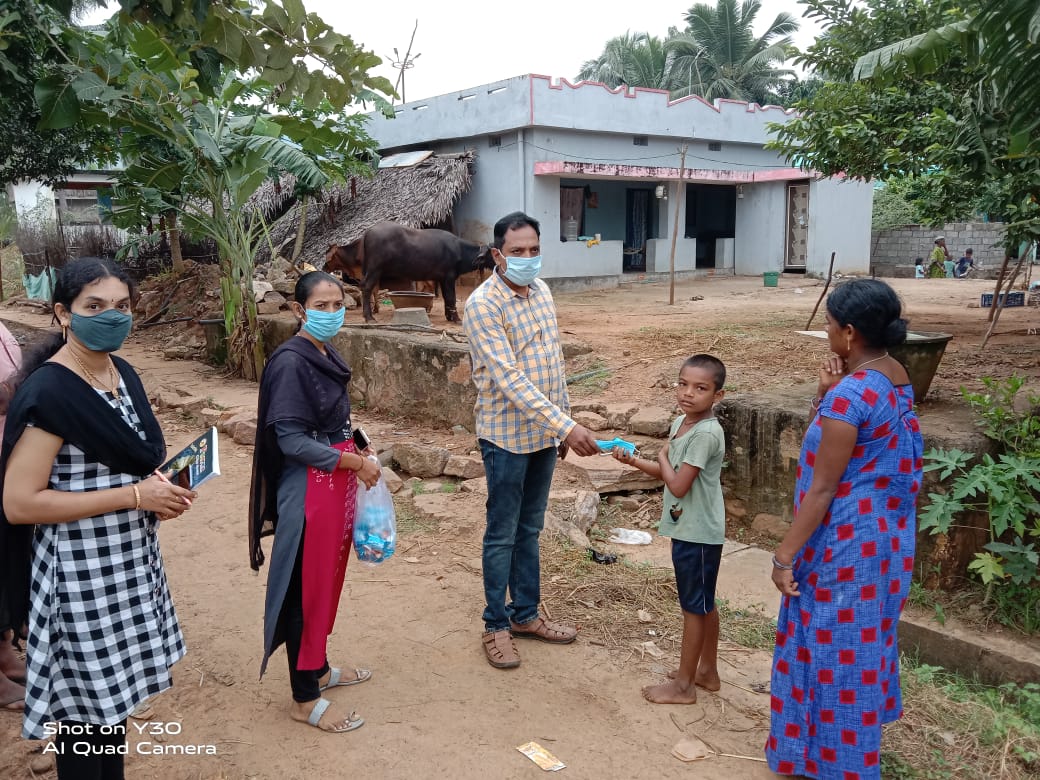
675, 227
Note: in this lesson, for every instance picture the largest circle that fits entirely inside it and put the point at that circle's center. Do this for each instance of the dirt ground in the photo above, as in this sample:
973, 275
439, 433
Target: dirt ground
434, 708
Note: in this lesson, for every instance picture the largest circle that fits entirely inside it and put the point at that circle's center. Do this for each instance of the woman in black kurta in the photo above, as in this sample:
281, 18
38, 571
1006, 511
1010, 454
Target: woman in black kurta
303, 493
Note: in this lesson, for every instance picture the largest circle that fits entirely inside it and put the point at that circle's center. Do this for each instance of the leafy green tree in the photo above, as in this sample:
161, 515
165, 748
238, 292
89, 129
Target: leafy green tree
633, 59
940, 123
28, 152
795, 90
719, 56
208, 98
891, 209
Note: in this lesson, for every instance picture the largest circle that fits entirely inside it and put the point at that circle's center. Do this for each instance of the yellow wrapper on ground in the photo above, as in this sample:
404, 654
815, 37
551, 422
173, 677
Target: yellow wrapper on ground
542, 757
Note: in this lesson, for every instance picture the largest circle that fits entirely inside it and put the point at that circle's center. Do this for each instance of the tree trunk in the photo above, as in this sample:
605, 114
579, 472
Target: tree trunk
301, 230
174, 234
245, 342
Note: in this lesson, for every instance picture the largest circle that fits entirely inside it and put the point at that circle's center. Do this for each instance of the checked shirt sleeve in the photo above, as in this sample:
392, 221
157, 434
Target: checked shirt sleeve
490, 346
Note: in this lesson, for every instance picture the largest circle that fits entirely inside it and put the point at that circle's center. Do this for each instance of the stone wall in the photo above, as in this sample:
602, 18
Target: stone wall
763, 439
893, 251
409, 374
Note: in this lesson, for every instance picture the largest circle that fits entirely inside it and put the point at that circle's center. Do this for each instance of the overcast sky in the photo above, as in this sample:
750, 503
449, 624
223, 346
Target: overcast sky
466, 44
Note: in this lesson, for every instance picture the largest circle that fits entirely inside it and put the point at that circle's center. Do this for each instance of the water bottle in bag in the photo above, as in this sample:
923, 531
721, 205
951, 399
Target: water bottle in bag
375, 528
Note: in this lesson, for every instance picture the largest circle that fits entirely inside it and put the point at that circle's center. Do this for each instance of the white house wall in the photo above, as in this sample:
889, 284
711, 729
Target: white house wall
760, 228
835, 225
538, 120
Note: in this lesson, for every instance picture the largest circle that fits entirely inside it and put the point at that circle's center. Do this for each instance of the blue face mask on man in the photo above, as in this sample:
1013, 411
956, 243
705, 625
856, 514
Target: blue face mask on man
323, 325
521, 271
104, 332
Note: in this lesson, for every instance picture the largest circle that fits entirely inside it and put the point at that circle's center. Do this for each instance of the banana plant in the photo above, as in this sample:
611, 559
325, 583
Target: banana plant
206, 100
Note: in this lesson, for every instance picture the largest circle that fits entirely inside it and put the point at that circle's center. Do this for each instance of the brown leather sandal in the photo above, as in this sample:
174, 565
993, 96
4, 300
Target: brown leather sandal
500, 650
543, 630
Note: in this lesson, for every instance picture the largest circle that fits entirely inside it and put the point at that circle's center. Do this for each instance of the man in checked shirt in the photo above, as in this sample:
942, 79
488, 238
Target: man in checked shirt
523, 425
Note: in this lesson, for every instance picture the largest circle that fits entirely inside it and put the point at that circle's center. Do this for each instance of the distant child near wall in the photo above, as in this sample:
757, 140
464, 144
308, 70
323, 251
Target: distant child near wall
919, 268
694, 516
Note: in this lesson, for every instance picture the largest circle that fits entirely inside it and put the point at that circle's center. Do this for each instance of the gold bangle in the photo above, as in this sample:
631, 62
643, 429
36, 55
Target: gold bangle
137, 497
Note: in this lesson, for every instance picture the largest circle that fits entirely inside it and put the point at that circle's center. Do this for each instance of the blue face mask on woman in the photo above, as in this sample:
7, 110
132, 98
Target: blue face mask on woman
522, 271
104, 332
323, 325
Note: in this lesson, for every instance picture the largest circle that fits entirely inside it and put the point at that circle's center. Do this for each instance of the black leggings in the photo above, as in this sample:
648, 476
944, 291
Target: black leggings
304, 682
101, 762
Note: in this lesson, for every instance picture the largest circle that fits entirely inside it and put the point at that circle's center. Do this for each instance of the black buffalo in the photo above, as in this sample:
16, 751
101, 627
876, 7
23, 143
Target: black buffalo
390, 250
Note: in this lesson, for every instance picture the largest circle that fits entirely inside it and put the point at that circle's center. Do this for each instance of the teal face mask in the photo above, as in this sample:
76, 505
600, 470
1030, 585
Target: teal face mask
323, 325
523, 270
104, 332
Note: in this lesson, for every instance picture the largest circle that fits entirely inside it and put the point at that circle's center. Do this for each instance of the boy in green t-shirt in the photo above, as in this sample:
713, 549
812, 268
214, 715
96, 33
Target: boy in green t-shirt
694, 516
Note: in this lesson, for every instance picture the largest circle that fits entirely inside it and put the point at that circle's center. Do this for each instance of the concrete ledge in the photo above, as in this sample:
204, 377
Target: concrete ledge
994, 659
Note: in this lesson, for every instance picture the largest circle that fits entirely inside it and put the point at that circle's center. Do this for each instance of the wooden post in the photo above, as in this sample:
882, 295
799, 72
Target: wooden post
675, 227
996, 289
1000, 301
830, 273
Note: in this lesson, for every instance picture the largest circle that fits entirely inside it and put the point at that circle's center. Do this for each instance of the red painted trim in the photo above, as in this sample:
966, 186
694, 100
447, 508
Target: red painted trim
609, 170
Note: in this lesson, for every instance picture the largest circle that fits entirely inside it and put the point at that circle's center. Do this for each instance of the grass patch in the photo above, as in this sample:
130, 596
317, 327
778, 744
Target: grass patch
450, 487
609, 599
593, 377
12, 269
749, 627
953, 727
409, 521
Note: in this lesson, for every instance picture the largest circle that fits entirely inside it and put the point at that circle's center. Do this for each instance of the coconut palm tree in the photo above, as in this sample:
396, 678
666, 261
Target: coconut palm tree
718, 55
633, 59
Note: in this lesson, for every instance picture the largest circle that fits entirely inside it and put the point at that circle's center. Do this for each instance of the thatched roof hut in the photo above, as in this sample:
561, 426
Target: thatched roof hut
419, 194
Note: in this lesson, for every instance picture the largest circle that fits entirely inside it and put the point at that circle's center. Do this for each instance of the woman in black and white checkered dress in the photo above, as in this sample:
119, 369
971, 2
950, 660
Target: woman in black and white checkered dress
79, 456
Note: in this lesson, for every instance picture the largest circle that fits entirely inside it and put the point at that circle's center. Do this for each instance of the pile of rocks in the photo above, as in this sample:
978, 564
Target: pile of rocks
274, 284
628, 417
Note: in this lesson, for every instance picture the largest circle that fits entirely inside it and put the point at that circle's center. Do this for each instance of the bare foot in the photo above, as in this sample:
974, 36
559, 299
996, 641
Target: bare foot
670, 693
12, 695
709, 681
11, 665
334, 719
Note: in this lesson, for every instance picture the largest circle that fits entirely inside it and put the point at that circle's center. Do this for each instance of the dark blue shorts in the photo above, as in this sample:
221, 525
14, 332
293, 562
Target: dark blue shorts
696, 572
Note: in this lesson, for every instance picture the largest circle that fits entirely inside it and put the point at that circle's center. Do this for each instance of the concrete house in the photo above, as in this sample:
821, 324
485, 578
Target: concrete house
588, 161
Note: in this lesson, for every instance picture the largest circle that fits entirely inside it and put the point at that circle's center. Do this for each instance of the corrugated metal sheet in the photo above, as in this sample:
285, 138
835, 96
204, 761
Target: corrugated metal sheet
404, 159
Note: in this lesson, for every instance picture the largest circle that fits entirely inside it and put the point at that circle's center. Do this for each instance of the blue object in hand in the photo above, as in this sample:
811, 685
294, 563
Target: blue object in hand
610, 446
374, 535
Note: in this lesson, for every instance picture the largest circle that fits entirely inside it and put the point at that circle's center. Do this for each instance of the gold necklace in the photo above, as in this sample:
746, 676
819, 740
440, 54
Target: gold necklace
865, 362
111, 372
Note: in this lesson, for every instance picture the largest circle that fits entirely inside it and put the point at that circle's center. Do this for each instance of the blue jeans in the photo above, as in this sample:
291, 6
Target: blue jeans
518, 492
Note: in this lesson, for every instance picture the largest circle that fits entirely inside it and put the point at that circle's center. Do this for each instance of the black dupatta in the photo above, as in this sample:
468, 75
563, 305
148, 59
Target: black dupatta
55, 399
299, 384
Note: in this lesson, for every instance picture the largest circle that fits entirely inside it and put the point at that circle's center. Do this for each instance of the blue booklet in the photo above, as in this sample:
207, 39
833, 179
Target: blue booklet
197, 463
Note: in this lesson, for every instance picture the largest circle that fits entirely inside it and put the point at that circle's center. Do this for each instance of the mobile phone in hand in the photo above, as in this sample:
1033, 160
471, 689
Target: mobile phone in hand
361, 440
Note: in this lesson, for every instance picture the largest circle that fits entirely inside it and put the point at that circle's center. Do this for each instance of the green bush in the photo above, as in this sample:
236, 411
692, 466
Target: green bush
1007, 488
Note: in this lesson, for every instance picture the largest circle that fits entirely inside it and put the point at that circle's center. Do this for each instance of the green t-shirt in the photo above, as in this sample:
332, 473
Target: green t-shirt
703, 517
